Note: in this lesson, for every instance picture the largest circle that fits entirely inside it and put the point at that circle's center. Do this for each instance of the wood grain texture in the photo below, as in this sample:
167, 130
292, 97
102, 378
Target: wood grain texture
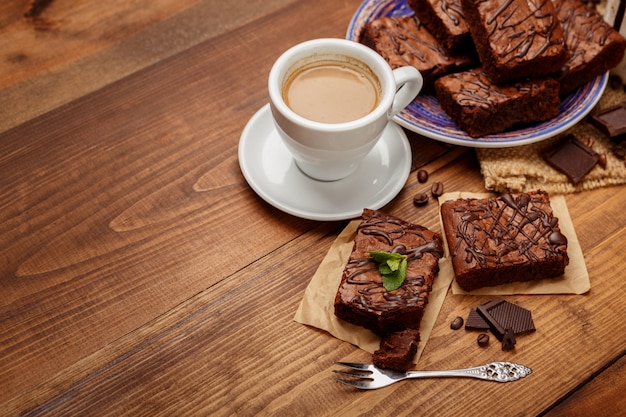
597, 397
140, 275
74, 48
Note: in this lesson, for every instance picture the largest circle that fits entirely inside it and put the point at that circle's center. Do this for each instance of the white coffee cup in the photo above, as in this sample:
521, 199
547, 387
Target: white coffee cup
332, 151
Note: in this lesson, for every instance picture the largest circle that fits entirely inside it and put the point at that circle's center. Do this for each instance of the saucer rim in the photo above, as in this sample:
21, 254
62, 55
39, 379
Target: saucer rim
392, 188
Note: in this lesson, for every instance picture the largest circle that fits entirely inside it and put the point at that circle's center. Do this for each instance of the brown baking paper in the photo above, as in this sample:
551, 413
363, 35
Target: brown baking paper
317, 306
574, 281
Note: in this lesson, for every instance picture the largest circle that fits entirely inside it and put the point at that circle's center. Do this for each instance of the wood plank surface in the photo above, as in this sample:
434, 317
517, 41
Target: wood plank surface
76, 47
140, 275
597, 397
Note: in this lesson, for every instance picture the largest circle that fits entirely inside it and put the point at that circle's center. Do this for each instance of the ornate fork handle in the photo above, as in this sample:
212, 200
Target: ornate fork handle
495, 371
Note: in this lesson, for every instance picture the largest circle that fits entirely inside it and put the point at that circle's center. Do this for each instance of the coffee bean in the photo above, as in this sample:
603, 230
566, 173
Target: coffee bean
588, 141
420, 199
422, 175
482, 339
602, 160
457, 323
437, 189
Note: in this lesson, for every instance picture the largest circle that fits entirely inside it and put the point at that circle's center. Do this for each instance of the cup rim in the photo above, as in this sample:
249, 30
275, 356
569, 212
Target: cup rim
379, 66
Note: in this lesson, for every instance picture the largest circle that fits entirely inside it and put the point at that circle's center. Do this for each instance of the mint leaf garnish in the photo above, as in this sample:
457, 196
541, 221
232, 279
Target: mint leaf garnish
392, 267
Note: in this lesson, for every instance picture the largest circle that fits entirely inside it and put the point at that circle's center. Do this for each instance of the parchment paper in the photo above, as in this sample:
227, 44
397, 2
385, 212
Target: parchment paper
317, 306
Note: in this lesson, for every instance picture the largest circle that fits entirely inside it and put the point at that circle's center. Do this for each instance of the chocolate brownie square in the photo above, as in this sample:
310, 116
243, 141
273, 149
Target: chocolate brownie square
504, 239
362, 299
445, 21
594, 46
516, 39
480, 107
405, 41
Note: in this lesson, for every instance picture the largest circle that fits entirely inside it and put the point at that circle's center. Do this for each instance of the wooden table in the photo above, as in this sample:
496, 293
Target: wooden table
140, 275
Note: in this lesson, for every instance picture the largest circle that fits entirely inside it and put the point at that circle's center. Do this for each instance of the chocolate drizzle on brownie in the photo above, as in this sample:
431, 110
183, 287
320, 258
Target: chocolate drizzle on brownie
594, 46
363, 300
528, 34
589, 26
413, 291
404, 40
452, 9
397, 32
511, 234
476, 92
505, 239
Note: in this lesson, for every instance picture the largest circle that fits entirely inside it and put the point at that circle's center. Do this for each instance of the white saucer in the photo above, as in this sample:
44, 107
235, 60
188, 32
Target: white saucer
272, 173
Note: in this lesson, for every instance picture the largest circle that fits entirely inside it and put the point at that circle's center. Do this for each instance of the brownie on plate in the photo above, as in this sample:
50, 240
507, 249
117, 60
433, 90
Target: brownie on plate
405, 41
516, 39
445, 20
594, 46
480, 107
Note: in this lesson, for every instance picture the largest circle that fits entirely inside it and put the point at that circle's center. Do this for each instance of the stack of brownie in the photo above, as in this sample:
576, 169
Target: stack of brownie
495, 64
362, 298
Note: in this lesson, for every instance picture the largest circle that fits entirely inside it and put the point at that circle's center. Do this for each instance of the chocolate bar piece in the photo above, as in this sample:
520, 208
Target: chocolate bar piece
475, 322
611, 121
572, 158
503, 315
508, 341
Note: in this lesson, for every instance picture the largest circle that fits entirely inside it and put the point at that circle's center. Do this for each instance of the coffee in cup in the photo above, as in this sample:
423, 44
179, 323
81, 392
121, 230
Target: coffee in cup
331, 100
332, 91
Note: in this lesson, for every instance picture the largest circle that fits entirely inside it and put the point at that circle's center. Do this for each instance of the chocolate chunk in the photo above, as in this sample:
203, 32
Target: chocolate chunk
482, 339
475, 322
422, 175
508, 341
611, 121
618, 147
457, 323
502, 315
572, 158
602, 161
420, 199
437, 189
615, 81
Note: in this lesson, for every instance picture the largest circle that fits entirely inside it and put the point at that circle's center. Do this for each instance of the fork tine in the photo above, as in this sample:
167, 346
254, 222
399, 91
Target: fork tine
354, 373
356, 366
355, 383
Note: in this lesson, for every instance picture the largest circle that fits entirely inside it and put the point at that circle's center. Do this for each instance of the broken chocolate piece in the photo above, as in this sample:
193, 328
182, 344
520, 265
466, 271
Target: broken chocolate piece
502, 315
475, 322
508, 341
610, 121
572, 158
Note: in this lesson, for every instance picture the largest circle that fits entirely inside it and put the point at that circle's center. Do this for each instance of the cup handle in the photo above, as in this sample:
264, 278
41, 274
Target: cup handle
409, 83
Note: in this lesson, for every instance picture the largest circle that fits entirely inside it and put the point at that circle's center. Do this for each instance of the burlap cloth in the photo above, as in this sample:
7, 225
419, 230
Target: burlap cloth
523, 168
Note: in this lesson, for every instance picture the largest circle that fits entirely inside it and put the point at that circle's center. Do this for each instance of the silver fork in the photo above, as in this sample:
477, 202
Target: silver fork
367, 376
